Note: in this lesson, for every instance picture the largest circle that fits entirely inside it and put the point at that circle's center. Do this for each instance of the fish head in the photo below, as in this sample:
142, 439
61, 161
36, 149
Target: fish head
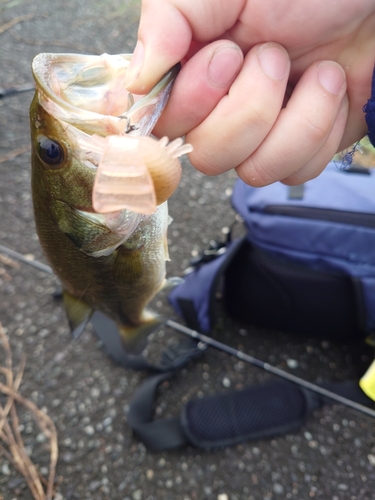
58, 172
81, 107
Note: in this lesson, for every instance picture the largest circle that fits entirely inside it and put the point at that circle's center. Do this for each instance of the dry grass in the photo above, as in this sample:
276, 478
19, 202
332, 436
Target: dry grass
11, 442
14, 21
8, 4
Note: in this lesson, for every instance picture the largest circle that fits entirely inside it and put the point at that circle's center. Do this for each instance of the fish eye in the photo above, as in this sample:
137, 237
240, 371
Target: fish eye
51, 152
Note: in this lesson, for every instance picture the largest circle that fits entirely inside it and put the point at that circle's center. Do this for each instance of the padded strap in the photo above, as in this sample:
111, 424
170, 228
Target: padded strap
172, 358
227, 419
253, 413
223, 419
157, 435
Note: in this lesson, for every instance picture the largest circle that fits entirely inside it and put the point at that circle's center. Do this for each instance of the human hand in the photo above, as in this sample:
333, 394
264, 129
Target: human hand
274, 111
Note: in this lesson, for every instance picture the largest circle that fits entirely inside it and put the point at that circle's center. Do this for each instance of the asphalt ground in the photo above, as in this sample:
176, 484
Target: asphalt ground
332, 456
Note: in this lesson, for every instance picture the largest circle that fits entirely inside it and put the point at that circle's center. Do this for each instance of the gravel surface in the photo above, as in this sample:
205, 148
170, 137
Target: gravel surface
331, 457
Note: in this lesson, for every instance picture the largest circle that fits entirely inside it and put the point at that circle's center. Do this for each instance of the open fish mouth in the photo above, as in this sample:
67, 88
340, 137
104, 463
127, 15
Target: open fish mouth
88, 92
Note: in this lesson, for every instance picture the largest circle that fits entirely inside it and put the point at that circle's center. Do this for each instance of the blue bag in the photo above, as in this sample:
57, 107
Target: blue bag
306, 264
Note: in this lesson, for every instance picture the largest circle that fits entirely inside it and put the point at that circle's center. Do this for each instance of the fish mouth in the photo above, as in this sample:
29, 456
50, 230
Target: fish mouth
88, 92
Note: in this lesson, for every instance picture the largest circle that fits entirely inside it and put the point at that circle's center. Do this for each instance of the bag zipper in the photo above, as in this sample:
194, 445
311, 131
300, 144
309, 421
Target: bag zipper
323, 214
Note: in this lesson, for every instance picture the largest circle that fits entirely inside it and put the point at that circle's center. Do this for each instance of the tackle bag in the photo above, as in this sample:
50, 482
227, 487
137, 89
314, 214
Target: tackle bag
306, 264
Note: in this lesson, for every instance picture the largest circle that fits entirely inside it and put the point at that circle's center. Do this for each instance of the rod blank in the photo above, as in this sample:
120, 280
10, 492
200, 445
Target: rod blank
269, 368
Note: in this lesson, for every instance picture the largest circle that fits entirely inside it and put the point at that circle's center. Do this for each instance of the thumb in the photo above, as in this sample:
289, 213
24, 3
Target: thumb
164, 38
166, 30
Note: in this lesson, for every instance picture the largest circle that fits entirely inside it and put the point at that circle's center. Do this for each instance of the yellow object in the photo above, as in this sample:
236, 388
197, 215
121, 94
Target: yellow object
367, 382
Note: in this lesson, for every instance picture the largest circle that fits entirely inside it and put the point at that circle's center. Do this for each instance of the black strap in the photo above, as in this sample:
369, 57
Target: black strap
222, 420
155, 434
172, 358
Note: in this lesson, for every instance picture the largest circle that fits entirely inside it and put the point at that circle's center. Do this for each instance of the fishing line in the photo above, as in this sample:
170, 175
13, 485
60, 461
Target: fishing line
226, 348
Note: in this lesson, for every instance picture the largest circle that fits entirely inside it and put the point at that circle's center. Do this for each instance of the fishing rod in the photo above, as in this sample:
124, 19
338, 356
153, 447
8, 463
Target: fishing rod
25, 260
227, 349
269, 368
23, 87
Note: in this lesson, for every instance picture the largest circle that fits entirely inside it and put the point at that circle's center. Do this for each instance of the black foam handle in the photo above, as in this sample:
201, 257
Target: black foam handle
253, 413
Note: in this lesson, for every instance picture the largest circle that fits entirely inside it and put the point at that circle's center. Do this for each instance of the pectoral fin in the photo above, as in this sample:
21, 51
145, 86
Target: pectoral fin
87, 231
78, 313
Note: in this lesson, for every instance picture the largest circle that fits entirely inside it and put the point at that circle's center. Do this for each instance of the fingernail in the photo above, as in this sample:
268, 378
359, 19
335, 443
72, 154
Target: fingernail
331, 76
135, 65
273, 60
224, 65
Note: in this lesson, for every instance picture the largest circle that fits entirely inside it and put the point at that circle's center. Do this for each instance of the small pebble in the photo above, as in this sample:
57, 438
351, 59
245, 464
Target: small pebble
95, 485
5, 469
67, 457
278, 489
226, 382
292, 363
41, 438
89, 430
15, 483
308, 436
137, 495
343, 487
107, 421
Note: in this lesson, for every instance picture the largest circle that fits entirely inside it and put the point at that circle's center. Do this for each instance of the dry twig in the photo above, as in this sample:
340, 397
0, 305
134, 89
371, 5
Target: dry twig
11, 442
53, 43
15, 21
14, 153
9, 262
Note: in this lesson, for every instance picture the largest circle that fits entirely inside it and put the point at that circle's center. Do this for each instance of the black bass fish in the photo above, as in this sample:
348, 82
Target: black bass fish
100, 186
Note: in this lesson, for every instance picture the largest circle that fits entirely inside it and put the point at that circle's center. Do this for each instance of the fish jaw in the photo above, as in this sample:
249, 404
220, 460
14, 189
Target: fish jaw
89, 93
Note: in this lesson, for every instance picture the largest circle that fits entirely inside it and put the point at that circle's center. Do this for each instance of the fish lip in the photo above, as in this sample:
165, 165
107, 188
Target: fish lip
141, 116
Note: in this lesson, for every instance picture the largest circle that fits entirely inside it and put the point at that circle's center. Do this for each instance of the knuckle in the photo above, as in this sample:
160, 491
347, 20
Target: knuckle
256, 172
205, 162
316, 128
